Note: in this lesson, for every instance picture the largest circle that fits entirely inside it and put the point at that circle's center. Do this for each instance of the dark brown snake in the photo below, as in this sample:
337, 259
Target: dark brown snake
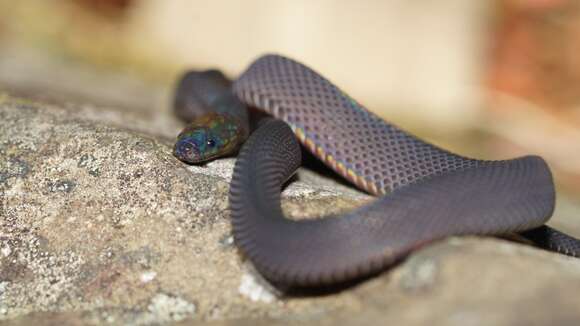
427, 193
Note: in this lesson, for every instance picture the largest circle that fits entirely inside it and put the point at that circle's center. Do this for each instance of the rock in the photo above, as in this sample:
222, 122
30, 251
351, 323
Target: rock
99, 219
101, 224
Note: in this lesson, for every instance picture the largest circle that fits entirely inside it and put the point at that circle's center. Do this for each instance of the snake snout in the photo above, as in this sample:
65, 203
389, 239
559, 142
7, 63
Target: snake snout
187, 151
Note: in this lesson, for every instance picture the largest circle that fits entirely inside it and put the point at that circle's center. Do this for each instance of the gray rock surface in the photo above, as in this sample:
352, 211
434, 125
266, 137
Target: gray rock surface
100, 224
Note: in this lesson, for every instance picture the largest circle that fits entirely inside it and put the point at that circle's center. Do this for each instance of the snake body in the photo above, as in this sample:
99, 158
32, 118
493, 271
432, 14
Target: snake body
427, 193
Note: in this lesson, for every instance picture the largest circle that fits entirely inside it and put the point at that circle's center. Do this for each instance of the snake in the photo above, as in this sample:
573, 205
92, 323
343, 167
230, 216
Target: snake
424, 193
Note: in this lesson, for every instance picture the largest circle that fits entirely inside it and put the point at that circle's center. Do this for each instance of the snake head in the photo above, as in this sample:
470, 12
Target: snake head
208, 137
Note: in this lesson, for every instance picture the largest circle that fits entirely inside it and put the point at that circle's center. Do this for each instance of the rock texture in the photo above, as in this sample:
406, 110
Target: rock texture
101, 225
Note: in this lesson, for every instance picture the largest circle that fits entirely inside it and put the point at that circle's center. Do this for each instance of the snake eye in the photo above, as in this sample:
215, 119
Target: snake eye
210, 143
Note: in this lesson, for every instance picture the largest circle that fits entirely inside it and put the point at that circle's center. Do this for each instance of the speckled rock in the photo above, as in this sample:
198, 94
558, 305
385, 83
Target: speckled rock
107, 221
101, 225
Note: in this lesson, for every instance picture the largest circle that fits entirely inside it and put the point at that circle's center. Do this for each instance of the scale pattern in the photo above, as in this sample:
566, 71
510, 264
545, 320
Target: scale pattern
354, 142
433, 193
497, 198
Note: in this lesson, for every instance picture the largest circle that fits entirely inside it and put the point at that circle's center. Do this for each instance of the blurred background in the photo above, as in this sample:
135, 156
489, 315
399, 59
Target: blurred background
490, 79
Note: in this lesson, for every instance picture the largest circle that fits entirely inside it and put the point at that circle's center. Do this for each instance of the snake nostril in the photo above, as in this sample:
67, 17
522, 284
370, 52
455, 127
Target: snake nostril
186, 149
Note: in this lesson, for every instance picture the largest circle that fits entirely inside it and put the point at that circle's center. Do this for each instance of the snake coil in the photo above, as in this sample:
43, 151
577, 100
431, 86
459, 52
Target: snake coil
426, 193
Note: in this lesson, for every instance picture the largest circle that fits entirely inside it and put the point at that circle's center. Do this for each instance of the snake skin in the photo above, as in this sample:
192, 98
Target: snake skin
433, 193
202, 92
495, 198
359, 145
553, 240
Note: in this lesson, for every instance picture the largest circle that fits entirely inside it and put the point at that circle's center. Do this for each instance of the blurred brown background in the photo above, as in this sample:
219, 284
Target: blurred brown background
491, 79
